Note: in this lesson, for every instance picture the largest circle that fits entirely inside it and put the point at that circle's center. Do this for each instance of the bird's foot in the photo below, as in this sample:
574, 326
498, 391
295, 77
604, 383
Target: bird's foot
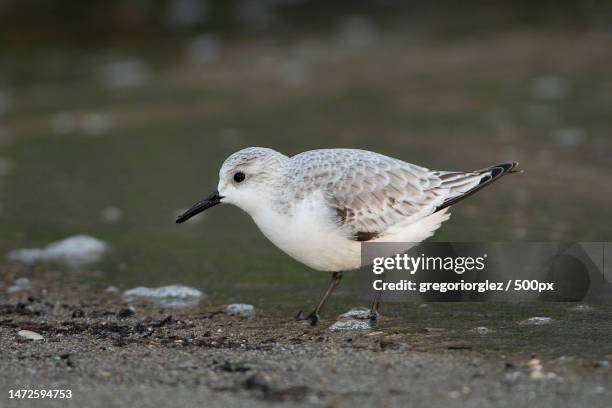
373, 316
313, 317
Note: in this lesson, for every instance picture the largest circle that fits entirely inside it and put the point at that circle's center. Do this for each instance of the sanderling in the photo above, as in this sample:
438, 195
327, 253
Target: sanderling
320, 205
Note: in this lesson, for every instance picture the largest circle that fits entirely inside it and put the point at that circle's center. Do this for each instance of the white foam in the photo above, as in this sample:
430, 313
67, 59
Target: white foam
240, 309
357, 313
350, 325
75, 250
169, 296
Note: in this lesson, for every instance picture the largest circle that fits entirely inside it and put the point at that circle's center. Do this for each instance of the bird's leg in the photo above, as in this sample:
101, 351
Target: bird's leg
313, 317
376, 303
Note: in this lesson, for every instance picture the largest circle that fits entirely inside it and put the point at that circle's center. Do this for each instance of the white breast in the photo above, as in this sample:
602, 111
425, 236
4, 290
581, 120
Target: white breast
310, 236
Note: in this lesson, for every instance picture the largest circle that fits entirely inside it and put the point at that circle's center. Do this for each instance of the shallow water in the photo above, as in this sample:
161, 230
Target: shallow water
76, 148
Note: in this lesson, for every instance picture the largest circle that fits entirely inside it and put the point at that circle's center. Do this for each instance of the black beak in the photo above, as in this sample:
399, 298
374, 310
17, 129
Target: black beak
200, 206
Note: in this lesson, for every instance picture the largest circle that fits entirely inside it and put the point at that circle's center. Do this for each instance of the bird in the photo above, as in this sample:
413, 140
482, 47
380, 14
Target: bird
320, 206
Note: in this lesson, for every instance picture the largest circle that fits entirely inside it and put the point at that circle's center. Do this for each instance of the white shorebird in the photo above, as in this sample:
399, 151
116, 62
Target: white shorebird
318, 206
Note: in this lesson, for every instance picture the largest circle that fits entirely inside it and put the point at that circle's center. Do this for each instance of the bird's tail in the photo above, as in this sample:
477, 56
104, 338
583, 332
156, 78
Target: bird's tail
463, 185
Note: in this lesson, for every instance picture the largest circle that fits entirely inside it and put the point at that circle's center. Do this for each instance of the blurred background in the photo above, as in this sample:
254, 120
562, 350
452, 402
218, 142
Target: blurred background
115, 115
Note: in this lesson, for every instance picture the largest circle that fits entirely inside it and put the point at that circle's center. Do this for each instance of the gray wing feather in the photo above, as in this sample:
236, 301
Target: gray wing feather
370, 192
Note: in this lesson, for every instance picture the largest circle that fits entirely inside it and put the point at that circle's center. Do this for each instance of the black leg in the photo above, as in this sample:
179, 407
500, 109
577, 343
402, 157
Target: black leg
376, 303
314, 315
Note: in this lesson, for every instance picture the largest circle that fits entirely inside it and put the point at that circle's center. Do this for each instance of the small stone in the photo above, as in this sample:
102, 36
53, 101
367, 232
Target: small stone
513, 376
19, 285
127, 312
482, 330
534, 362
542, 375
538, 320
240, 309
454, 394
581, 308
30, 335
77, 314
103, 373
111, 289
258, 381
350, 325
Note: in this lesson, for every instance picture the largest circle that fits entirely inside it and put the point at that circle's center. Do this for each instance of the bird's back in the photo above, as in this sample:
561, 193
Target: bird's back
371, 193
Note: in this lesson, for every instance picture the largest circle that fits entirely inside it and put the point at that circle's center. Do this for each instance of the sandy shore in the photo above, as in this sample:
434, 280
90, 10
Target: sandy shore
109, 355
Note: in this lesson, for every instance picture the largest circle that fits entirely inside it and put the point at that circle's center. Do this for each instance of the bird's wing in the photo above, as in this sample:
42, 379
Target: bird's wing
371, 193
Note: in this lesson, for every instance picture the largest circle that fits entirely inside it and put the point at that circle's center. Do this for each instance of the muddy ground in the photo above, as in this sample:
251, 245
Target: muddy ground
110, 355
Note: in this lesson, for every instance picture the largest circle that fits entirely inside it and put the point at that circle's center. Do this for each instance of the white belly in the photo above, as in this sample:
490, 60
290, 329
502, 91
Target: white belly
310, 236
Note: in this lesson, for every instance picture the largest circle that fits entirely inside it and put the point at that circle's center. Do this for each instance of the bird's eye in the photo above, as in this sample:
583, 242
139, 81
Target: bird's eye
239, 177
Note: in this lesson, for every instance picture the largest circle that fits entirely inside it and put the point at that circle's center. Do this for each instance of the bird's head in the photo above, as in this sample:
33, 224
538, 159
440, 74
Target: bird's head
247, 178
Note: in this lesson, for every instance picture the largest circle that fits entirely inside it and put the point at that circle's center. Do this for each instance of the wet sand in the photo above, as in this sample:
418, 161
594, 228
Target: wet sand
109, 355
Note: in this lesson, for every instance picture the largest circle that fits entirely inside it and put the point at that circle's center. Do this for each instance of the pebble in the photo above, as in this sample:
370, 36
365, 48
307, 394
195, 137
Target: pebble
126, 312
19, 285
602, 364
482, 330
350, 325
581, 308
240, 309
537, 320
30, 335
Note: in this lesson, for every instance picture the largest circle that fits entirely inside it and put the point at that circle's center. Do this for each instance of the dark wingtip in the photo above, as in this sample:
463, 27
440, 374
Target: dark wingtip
504, 168
496, 172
